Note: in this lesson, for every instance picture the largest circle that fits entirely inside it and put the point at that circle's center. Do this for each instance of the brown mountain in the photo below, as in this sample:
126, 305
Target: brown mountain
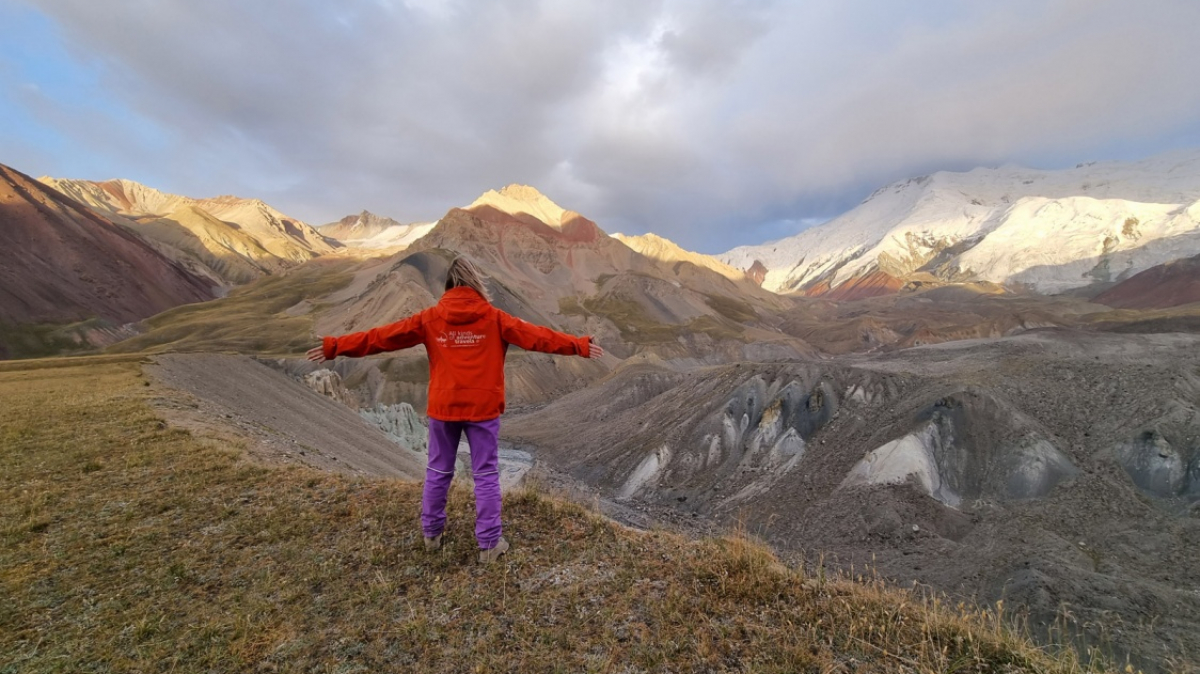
1159, 287
373, 235
565, 272
62, 262
555, 267
874, 284
356, 227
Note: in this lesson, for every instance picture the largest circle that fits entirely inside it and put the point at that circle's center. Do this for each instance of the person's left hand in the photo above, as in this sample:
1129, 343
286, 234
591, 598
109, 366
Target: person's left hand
594, 349
316, 354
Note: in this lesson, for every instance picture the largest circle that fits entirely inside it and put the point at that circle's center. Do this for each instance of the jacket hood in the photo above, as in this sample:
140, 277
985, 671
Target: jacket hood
462, 305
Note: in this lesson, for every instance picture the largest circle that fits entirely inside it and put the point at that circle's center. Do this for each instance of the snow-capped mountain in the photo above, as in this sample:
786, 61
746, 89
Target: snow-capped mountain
373, 232
1050, 231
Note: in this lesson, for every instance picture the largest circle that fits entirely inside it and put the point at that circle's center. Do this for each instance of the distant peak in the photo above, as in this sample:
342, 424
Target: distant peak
651, 236
369, 218
517, 199
656, 241
665, 250
649, 239
522, 192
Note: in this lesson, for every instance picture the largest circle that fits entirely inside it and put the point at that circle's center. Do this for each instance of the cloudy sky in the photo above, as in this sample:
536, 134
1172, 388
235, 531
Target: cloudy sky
714, 123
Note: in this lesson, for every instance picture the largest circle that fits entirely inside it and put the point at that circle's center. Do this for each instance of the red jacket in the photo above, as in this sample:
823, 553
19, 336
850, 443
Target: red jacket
466, 338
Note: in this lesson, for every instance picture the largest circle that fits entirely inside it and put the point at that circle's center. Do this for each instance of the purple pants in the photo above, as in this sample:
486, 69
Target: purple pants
485, 468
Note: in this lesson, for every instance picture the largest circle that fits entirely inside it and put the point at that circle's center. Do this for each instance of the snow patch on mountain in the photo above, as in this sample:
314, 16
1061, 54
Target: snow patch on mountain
395, 237
1048, 230
372, 232
1054, 245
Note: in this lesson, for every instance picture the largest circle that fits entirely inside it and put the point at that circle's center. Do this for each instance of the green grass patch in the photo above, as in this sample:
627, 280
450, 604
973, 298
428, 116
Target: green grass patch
637, 327
250, 319
734, 309
46, 340
715, 328
128, 546
631, 319
570, 306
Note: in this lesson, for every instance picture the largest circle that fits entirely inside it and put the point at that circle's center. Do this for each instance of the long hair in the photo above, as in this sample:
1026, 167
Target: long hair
463, 272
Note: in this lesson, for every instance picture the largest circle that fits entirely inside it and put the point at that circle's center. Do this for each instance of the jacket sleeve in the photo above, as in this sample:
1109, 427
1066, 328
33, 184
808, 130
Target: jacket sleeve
393, 337
537, 338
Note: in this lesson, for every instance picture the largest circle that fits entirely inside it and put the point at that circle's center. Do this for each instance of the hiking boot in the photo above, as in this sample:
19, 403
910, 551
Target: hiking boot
489, 556
433, 544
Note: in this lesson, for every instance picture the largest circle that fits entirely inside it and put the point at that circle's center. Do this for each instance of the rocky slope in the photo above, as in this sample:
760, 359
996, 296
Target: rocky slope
62, 262
275, 417
1049, 231
989, 469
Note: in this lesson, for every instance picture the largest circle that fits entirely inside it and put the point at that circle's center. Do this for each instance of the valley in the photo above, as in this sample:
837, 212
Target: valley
904, 389
984, 468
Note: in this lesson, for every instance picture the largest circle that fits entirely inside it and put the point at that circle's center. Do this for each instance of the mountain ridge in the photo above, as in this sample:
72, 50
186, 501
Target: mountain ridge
981, 225
666, 250
289, 239
62, 262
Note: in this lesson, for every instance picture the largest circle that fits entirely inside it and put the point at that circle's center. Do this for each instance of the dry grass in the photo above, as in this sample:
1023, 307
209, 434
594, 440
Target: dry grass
1185, 318
251, 319
128, 546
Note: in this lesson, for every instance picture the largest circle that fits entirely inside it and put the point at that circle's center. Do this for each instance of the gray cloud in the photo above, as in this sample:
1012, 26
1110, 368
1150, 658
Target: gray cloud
709, 122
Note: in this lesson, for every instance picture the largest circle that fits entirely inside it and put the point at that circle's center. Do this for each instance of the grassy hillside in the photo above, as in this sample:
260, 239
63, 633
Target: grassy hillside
638, 327
126, 546
252, 319
41, 340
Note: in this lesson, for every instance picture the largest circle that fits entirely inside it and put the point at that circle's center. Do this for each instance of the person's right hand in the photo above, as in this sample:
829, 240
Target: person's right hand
594, 349
317, 354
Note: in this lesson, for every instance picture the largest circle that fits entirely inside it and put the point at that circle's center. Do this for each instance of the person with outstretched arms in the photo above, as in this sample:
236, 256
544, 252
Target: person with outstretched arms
466, 339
